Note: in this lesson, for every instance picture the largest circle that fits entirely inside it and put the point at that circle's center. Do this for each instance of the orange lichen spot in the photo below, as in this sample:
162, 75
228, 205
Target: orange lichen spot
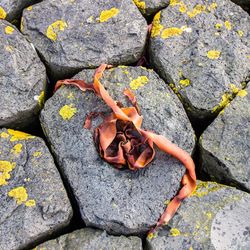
29, 8
4, 135
17, 149
240, 33
19, 194
37, 153
185, 82
17, 135
55, 28
3, 14
228, 25
30, 203
5, 168
174, 232
218, 26
156, 27
213, 54
198, 9
67, 112
9, 30
107, 14
138, 82
140, 4
242, 93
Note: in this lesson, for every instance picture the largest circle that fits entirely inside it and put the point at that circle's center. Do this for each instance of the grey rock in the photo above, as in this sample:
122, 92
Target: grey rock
225, 145
205, 56
22, 79
121, 202
150, 7
33, 201
214, 217
11, 9
83, 34
88, 238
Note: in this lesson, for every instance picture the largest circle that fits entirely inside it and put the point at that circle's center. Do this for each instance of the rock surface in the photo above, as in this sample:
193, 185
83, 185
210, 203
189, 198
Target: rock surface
221, 221
150, 7
202, 49
93, 239
22, 79
83, 34
11, 9
122, 202
225, 145
33, 201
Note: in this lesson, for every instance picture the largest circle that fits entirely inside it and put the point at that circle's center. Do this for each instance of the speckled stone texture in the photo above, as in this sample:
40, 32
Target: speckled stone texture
33, 201
214, 217
225, 145
150, 7
22, 79
119, 201
88, 238
72, 35
11, 9
201, 48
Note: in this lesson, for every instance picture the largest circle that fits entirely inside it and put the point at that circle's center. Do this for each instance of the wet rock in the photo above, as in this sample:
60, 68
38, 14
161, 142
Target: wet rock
121, 202
225, 145
33, 200
11, 9
22, 79
201, 48
150, 7
221, 221
89, 238
112, 32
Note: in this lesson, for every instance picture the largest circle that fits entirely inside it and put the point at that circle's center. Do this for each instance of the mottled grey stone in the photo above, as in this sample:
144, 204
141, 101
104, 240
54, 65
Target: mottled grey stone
33, 201
181, 55
81, 37
88, 238
121, 202
150, 7
11, 9
22, 79
225, 145
214, 217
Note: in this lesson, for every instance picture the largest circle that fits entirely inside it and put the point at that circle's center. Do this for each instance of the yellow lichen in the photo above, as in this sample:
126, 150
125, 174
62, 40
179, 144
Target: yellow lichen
9, 30
107, 14
225, 101
30, 203
228, 25
209, 215
174, 232
29, 8
9, 48
4, 135
204, 188
213, 54
185, 82
17, 135
198, 9
17, 149
37, 153
5, 168
156, 27
3, 14
242, 93
152, 235
240, 33
54, 28
140, 4
67, 112
41, 99
183, 7
190, 248
170, 32
138, 82
233, 88
19, 194
212, 6
174, 2
71, 96
218, 25
21, 25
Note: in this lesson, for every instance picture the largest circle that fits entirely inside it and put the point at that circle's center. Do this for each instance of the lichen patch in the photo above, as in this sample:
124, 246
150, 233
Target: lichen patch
107, 14
5, 168
3, 13
67, 112
138, 82
55, 28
